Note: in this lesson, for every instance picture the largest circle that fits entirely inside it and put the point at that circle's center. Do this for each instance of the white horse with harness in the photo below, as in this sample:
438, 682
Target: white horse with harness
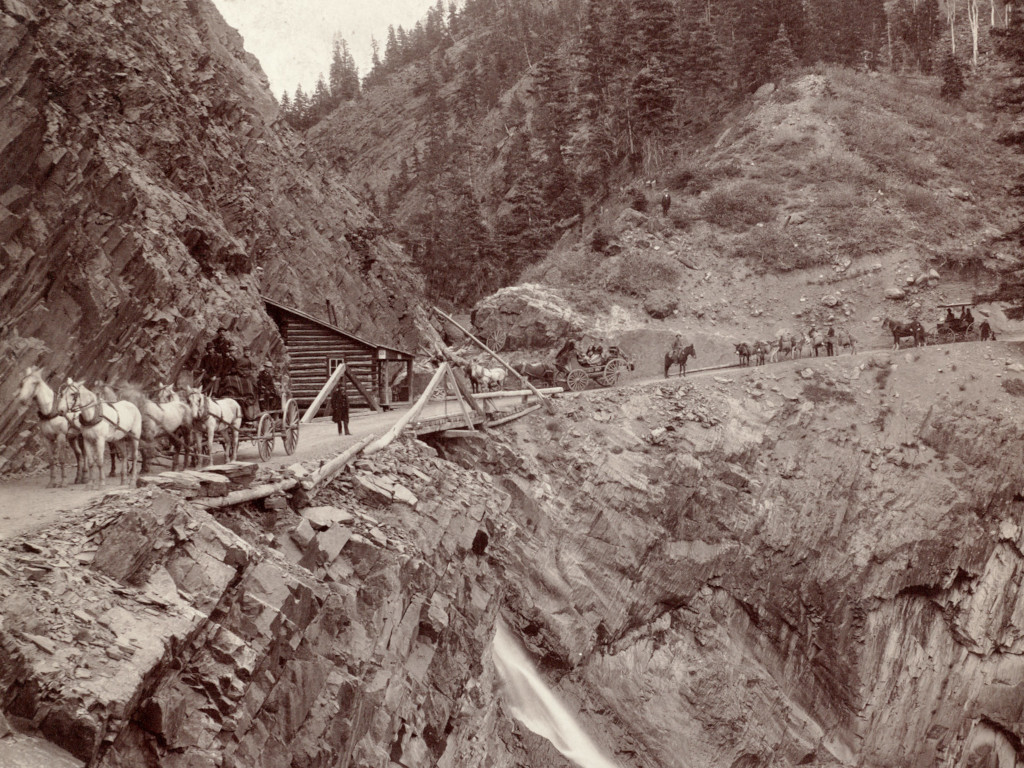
100, 423
53, 426
170, 417
216, 416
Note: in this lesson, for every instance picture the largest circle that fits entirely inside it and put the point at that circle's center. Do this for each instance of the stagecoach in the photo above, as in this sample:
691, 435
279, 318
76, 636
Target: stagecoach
577, 366
262, 423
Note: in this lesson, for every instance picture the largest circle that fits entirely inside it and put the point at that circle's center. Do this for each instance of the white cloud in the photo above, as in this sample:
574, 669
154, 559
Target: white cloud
293, 40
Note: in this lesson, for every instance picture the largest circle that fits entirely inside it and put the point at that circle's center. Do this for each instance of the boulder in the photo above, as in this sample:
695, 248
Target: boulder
630, 218
895, 293
661, 303
532, 316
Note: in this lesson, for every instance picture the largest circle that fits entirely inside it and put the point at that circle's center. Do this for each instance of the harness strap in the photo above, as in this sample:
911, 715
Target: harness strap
47, 416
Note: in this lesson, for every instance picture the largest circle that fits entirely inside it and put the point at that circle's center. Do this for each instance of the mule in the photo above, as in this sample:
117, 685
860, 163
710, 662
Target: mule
53, 426
678, 356
215, 416
101, 423
842, 339
744, 351
899, 330
760, 350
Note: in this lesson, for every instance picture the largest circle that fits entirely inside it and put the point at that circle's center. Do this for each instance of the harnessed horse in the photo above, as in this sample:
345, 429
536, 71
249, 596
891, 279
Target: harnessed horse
169, 416
678, 356
101, 423
899, 330
53, 426
216, 416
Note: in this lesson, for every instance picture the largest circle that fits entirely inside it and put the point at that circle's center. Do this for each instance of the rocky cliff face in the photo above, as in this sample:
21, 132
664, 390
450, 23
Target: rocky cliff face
819, 568
149, 195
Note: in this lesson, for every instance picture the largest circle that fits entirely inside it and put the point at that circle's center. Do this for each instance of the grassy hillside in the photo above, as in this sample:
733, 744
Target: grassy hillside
836, 184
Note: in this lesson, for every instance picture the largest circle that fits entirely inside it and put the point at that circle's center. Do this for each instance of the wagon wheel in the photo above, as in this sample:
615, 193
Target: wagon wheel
612, 371
558, 379
290, 426
265, 436
577, 380
496, 339
946, 334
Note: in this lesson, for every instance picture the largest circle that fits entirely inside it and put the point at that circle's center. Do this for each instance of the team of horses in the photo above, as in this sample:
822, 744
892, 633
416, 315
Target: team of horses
791, 346
93, 420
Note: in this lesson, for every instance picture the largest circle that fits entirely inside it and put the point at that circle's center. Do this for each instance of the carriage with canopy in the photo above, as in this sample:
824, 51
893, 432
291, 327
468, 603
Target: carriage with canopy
958, 327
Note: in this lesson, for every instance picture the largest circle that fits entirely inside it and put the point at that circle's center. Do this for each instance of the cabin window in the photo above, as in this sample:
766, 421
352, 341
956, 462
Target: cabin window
332, 364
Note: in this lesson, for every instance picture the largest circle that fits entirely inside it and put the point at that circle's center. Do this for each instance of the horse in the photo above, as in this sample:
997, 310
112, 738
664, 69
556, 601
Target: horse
216, 416
101, 423
53, 426
486, 379
744, 351
543, 372
678, 356
843, 338
169, 417
899, 330
818, 340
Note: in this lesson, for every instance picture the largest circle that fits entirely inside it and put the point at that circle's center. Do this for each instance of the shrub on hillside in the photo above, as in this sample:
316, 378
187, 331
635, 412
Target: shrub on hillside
638, 201
739, 204
599, 240
661, 303
690, 178
641, 273
771, 249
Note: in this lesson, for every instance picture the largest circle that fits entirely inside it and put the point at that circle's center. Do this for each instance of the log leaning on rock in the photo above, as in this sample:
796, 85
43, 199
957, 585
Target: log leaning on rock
330, 470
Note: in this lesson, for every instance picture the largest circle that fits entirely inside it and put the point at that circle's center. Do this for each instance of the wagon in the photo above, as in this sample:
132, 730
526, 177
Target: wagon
957, 328
262, 424
578, 370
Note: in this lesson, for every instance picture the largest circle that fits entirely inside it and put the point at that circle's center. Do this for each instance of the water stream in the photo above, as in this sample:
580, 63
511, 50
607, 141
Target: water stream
535, 705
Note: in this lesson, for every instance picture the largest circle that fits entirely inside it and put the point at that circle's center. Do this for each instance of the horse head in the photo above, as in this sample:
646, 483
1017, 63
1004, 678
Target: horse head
30, 384
197, 401
165, 394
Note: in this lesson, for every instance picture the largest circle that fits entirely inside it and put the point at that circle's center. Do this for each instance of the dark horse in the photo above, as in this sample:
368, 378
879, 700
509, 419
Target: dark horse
543, 372
914, 329
678, 355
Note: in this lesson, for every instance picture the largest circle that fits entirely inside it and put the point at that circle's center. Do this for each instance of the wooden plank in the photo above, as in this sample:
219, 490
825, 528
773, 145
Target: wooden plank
371, 401
513, 416
461, 402
516, 393
324, 392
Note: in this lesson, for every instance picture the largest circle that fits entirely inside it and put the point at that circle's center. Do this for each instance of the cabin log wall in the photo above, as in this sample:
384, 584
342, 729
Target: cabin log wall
310, 347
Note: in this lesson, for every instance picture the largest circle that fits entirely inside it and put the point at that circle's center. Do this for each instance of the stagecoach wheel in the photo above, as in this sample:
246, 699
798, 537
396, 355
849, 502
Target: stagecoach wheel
496, 339
290, 425
265, 436
946, 335
612, 371
577, 380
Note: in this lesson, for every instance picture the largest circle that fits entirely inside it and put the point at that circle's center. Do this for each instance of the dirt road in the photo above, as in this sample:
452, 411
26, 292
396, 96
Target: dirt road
27, 504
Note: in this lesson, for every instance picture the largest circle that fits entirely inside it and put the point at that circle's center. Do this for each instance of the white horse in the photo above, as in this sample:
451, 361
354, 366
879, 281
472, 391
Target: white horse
101, 423
486, 379
216, 416
172, 416
55, 428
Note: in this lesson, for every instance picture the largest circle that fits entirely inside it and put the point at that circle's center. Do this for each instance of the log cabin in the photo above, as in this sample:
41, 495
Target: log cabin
315, 348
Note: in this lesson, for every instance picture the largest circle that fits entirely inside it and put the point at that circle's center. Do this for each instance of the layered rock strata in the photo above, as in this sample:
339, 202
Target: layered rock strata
149, 195
813, 569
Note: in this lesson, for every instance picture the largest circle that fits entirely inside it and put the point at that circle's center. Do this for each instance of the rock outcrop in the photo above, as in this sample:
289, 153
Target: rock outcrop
746, 570
530, 315
149, 195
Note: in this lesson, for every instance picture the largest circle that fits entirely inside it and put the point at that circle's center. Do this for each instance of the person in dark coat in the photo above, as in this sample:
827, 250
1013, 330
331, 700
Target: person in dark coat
339, 408
666, 203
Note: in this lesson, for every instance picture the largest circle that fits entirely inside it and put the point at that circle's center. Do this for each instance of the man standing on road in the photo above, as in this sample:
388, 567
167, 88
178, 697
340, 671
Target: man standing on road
339, 408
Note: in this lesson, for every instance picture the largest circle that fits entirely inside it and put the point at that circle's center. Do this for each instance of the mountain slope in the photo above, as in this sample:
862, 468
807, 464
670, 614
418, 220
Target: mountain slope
149, 196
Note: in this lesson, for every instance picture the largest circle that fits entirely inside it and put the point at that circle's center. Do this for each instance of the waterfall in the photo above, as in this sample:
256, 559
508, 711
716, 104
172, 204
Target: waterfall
534, 704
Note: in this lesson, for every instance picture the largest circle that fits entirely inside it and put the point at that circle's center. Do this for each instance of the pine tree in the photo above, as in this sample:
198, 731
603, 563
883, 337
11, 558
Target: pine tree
781, 59
917, 25
953, 84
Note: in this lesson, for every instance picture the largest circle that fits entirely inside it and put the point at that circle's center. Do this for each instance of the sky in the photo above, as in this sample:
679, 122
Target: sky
293, 38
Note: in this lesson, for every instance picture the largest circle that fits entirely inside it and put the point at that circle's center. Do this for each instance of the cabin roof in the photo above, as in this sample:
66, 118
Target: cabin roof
299, 313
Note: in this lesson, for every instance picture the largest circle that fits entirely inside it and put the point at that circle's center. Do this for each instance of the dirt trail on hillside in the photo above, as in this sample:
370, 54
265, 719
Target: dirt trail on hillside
26, 503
